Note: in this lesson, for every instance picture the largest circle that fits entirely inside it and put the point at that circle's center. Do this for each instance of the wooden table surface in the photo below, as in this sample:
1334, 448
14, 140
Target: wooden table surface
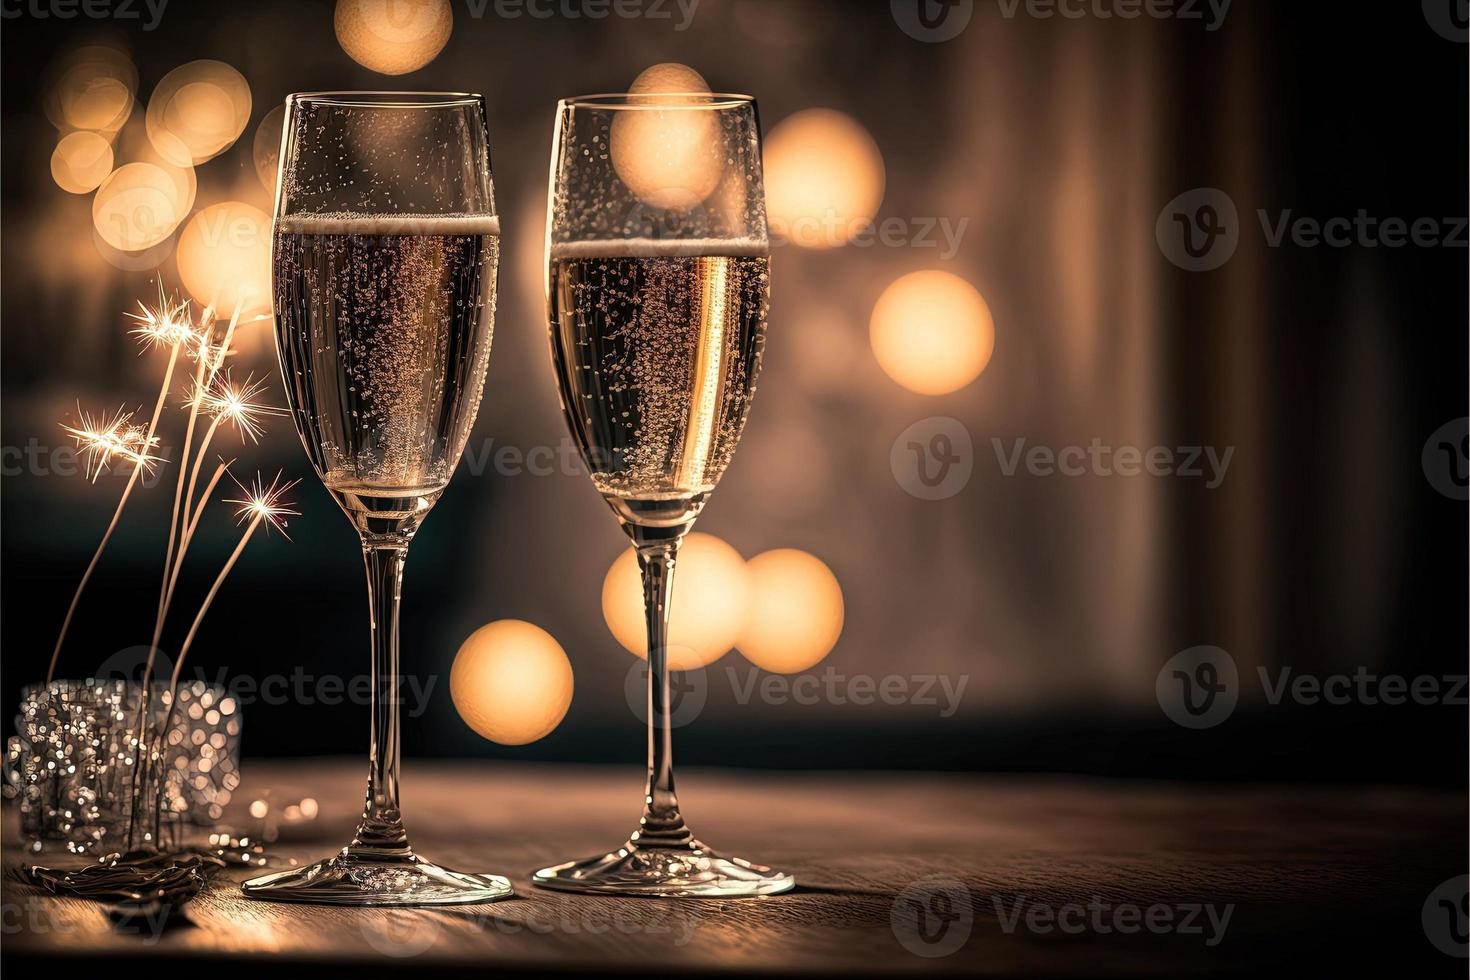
1307, 877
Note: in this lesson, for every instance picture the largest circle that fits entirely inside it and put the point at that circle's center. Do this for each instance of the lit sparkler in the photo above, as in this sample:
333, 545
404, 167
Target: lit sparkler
166, 325
264, 503
235, 404
101, 438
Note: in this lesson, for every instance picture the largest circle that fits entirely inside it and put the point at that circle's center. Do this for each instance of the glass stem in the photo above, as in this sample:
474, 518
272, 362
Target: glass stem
382, 824
662, 825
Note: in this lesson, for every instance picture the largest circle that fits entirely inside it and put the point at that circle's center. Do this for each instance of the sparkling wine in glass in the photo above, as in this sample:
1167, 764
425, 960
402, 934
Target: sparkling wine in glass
385, 252
658, 285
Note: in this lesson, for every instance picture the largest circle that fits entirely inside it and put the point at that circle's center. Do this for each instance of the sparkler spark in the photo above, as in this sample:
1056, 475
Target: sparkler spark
264, 503
229, 402
100, 438
166, 324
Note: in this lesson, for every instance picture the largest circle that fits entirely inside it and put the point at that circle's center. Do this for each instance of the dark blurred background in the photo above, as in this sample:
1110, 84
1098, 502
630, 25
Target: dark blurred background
1059, 140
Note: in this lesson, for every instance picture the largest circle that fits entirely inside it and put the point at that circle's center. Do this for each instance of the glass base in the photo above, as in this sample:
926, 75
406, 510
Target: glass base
683, 871
397, 879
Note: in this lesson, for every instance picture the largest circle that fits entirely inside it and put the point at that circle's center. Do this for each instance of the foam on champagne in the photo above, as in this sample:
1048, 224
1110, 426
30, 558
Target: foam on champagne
660, 248
347, 223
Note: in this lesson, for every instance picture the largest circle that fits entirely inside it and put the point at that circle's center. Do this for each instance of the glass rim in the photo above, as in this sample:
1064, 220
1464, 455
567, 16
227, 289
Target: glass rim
388, 99
626, 100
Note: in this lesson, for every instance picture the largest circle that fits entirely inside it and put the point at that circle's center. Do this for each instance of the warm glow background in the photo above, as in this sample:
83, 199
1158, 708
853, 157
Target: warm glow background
1051, 145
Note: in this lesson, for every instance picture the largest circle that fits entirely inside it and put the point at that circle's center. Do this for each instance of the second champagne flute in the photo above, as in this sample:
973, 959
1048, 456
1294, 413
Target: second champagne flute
385, 253
658, 265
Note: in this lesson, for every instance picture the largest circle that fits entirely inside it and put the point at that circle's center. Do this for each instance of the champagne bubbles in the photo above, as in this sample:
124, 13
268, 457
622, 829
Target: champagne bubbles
669, 157
511, 682
393, 37
824, 178
93, 88
932, 332
795, 611
266, 150
224, 258
135, 208
710, 583
80, 162
197, 111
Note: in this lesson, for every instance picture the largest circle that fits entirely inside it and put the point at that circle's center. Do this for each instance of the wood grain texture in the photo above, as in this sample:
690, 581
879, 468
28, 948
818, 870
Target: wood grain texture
1311, 877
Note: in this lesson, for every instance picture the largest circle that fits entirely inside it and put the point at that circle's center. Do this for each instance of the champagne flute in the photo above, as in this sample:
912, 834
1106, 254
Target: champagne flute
658, 264
385, 253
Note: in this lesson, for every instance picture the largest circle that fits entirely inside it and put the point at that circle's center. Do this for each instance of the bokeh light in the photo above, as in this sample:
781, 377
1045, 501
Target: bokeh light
136, 145
511, 682
668, 77
93, 88
393, 37
224, 258
932, 332
134, 208
81, 161
204, 106
710, 591
670, 158
266, 150
824, 178
795, 611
